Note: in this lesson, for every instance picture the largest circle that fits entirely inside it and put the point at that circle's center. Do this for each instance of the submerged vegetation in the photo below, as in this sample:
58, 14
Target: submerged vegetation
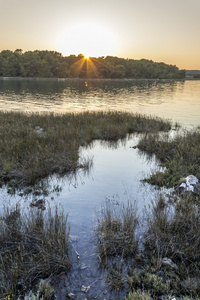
32, 246
52, 64
34, 146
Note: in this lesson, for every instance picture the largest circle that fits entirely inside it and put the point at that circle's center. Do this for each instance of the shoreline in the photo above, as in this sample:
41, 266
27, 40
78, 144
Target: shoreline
94, 79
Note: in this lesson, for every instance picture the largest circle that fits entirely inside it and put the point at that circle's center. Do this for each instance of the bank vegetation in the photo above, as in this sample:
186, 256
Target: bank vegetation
50, 64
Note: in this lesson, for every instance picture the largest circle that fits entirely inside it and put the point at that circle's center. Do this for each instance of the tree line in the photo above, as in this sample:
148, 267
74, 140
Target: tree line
53, 64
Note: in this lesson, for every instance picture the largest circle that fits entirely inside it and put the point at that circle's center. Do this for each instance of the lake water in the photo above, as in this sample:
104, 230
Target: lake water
177, 100
117, 168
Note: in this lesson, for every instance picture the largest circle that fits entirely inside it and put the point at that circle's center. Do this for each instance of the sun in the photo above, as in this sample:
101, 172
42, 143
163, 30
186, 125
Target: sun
89, 39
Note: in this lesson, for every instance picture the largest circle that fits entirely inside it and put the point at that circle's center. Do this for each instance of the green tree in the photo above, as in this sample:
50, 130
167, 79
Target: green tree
43, 69
53, 64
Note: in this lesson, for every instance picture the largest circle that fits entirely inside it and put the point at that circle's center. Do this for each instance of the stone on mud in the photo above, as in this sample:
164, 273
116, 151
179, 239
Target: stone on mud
168, 262
189, 184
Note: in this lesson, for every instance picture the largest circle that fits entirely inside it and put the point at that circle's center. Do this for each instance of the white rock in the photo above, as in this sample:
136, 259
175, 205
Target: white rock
183, 184
71, 296
189, 185
168, 262
190, 188
191, 180
85, 288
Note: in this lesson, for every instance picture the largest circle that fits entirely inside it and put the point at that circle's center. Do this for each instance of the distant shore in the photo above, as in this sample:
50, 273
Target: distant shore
93, 79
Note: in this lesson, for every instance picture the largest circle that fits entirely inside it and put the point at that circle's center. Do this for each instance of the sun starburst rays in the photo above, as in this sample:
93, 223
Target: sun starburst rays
77, 67
84, 68
91, 68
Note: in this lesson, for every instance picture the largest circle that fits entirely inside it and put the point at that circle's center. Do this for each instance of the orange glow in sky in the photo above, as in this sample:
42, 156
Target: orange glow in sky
89, 38
166, 30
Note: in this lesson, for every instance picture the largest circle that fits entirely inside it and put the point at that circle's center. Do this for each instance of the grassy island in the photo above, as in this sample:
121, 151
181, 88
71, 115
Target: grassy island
34, 146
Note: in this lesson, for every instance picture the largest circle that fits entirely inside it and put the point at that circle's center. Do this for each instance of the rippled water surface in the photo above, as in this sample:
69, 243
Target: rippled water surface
177, 100
117, 168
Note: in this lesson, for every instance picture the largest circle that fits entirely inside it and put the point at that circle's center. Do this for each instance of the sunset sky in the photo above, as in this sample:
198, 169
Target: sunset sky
160, 30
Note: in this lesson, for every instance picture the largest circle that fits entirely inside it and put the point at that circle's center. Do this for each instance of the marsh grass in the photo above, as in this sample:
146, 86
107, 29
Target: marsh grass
116, 230
32, 246
33, 146
172, 232
180, 156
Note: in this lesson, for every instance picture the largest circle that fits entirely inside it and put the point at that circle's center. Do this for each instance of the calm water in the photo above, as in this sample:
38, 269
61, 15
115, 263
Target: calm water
117, 168
177, 100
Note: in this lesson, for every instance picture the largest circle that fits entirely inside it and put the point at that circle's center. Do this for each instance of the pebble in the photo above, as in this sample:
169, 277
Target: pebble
71, 296
85, 288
